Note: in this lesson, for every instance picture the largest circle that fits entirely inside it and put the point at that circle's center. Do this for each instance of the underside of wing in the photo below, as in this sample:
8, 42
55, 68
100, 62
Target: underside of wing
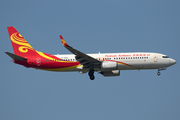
86, 60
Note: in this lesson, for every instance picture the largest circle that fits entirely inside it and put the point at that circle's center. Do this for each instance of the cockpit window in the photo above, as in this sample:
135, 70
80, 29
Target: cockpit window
165, 56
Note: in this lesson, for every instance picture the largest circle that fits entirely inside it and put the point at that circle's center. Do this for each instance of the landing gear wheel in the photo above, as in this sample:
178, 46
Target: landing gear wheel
91, 74
158, 73
92, 77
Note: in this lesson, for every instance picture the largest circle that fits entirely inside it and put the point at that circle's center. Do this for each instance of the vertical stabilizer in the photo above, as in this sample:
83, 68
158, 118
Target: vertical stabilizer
20, 46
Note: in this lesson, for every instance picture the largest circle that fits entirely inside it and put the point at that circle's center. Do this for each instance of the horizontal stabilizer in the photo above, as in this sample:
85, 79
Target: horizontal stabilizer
15, 57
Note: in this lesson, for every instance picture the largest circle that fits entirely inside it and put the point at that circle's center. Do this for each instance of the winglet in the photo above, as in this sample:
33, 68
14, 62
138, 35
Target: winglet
63, 41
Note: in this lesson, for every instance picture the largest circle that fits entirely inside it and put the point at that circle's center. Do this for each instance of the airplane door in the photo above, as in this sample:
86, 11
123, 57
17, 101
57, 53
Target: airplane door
38, 61
155, 57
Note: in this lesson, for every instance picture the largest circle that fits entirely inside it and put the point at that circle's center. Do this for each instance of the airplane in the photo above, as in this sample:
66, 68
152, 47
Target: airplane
107, 64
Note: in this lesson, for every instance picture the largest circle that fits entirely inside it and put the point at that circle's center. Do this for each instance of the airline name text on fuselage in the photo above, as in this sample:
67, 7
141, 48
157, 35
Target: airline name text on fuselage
125, 55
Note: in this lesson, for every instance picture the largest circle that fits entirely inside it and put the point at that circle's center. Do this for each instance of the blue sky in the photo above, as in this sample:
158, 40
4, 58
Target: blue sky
91, 26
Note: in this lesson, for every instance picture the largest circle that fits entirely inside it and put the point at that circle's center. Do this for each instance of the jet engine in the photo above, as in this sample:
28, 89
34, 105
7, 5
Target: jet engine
110, 73
108, 65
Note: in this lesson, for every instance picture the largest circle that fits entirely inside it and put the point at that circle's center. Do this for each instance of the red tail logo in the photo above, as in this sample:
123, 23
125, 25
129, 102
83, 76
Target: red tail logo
20, 45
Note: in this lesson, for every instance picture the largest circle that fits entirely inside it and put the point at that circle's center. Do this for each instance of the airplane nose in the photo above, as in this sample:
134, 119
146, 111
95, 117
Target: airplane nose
172, 61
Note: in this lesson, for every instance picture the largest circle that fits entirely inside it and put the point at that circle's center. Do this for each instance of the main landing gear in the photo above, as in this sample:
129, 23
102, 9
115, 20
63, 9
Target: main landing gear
91, 74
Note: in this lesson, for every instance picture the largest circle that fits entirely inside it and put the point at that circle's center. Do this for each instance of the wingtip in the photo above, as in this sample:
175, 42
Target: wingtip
63, 41
10, 26
61, 36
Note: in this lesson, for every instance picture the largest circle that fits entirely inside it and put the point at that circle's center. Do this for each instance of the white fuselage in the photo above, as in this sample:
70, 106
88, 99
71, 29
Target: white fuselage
128, 61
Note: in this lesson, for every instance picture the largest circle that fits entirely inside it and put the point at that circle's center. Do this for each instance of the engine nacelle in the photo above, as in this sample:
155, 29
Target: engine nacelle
108, 65
111, 73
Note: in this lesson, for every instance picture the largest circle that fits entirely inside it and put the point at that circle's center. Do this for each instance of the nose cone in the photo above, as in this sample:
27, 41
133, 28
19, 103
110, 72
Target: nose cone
172, 61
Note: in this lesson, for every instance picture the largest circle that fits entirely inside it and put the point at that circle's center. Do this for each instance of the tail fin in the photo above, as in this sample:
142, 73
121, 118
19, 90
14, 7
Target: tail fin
20, 46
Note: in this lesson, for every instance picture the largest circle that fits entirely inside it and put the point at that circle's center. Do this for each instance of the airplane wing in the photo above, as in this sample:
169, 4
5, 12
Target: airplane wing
84, 59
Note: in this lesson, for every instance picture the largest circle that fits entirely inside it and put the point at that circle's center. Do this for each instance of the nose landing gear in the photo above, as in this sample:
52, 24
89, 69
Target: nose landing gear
158, 73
